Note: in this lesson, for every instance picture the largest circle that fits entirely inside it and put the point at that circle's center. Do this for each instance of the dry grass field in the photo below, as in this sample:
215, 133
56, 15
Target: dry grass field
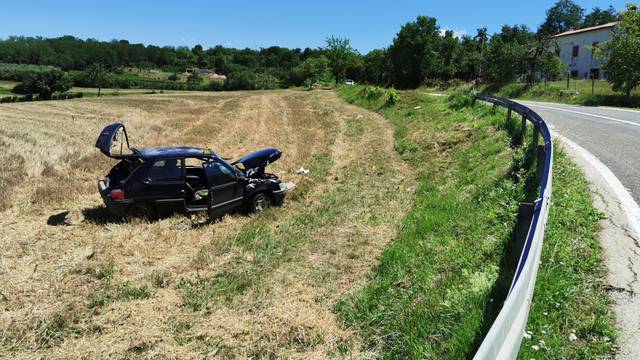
258, 287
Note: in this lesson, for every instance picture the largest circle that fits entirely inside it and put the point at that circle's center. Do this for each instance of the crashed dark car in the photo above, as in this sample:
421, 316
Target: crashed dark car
147, 183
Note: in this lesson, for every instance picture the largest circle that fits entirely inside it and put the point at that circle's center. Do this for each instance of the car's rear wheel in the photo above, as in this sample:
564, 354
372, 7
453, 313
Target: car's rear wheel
140, 213
259, 203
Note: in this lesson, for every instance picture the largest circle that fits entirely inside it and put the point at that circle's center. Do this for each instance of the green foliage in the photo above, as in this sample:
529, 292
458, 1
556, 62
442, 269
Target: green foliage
250, 80
414, 53
438, 287
341, 57
570, 268
173, 77
372, 92
44, 84
194, 79
392, 97
599, 17
564, 15
433, 292
579, 92
376, 67
19, 72
622, 53
311, 71
460, 98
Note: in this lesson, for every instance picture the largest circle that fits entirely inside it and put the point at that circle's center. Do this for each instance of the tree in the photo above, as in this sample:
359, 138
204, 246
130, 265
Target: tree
449, 56
506, 56
622, 53
340, 55
312, 70
599, 17
44, 84
194, 79
97, 75
376, 67
173, 77
564, 15
414, 52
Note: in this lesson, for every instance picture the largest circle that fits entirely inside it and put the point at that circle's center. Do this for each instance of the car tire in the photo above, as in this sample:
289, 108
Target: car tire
140, 213
259, 203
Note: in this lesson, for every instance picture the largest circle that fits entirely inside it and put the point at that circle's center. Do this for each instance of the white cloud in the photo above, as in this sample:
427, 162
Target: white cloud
456, 32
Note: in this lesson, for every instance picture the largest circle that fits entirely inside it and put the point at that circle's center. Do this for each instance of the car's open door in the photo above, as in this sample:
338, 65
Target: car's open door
225, 189
114, 142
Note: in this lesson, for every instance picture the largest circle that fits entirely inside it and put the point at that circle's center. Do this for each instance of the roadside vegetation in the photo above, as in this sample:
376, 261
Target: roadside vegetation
579, 92
570, 317
441, 282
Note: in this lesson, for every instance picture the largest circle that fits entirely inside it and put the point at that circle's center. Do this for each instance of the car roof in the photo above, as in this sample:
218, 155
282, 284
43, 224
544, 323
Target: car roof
165, 152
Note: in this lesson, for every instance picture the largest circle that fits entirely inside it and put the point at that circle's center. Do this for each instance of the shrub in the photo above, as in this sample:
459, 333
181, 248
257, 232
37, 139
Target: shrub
392, 97
173, 77
19, 72
194, 79
44, 84
372, 92
460, 99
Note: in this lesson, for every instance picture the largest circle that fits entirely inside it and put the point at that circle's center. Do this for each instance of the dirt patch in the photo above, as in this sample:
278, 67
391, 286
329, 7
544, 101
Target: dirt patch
242, 287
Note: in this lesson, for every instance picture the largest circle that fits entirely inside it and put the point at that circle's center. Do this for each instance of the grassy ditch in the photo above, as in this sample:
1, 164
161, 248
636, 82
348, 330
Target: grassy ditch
441, 282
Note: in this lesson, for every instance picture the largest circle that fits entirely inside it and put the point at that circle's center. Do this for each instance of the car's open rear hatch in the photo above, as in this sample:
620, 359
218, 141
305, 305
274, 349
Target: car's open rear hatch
114, 142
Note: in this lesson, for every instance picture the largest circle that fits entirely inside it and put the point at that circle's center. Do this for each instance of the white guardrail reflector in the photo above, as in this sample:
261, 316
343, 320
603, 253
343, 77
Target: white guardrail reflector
505, 335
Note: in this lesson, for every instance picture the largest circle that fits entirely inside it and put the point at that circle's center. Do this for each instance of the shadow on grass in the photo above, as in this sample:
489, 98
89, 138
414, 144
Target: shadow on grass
100, 215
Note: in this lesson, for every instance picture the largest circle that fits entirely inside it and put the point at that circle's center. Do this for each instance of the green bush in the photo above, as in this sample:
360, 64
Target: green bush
392, 97
460, 99
19, 72
372, 92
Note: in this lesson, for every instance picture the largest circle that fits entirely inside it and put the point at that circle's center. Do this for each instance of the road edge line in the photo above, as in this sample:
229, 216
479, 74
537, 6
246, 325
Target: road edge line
628, 204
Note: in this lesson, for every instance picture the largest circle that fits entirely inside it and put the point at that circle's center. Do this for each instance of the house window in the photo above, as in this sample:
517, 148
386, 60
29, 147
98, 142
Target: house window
576, 50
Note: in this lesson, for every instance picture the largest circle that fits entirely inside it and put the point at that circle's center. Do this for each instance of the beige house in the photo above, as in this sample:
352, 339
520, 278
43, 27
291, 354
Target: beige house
576, 50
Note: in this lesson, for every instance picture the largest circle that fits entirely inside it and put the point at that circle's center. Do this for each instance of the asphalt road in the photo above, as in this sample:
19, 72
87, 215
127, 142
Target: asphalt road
610, 134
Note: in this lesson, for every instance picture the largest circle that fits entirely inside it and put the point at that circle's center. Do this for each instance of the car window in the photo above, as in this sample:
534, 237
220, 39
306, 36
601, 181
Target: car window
194, 162
166, 170
219, 173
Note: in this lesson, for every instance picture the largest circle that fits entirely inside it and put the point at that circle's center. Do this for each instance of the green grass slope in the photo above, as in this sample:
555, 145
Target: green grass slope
441, 282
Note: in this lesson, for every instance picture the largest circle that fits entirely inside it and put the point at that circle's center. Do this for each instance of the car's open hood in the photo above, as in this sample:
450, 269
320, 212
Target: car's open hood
114, 142
257, 161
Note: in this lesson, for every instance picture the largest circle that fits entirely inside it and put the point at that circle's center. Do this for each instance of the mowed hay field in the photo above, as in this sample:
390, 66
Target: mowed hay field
258, 287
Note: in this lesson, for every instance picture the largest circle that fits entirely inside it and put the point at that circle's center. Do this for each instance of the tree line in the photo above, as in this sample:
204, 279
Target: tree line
421, 53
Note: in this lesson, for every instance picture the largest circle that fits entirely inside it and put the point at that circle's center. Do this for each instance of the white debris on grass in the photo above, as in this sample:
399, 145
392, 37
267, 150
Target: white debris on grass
527, 335
302, 170
535, 347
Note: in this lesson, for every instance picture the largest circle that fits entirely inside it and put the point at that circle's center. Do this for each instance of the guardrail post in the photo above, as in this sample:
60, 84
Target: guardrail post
523, 126
540, 161
525, 215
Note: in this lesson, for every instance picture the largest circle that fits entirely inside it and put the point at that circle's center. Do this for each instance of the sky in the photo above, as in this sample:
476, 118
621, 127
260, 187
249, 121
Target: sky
255, 24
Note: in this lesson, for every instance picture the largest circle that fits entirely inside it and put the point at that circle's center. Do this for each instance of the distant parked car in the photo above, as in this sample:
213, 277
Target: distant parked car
349, 82
149, 182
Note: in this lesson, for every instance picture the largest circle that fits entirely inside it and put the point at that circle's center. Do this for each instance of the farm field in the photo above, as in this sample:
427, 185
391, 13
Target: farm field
368, 258
245, 286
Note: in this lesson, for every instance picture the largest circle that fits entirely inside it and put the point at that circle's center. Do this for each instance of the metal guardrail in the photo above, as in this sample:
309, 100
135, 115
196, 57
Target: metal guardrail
505, 335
